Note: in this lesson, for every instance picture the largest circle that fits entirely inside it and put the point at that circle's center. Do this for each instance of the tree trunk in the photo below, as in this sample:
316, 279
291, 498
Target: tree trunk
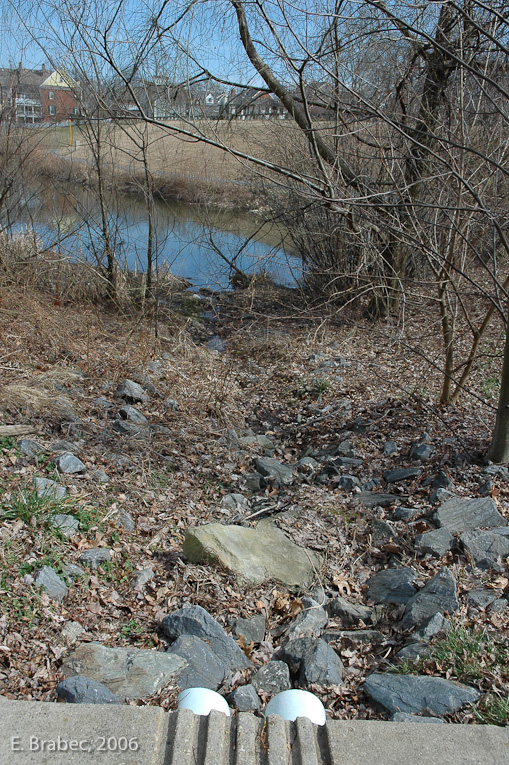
499, 448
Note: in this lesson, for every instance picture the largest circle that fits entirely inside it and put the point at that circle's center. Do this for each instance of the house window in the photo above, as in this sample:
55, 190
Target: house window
52, 110
76, 111
51, 95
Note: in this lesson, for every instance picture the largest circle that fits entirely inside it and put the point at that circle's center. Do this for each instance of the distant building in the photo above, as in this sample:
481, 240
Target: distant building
36, 96
20, 97
59, 97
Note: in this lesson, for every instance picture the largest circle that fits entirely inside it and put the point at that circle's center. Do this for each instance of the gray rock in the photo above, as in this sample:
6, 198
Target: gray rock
274, 472
440, 495
437, 542
126, 428
487, 550
350, 613
401, 474
254, 481
437, 596
29, 447
421, 451
69, 463
72, 631
83, 690
441, 481
486, 488
393, 585
374, 499
102, 403
194, 620
404, 717
48, 579
349, 482
498, 606
407, 513
497, 470
264, 442
132, 415
431, 627
126, 520
314, 660
381, 531
63, 446
94, 557
142, 578
413, 651
216, 343
255, 555
356, 636
481, 598
308, 462
458, 515
205, 668
415, 694
171, 404
252, 629
132, 673
272, 678
236, 502
390, 448
131, 392
244, 698
48, 489
68, 525
100, 476
72, 571
310, 622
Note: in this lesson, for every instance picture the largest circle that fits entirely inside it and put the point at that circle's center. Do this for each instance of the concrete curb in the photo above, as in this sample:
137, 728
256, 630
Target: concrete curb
37, 733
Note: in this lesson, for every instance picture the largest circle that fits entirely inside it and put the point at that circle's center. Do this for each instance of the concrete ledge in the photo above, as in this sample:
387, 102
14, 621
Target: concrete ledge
37, 733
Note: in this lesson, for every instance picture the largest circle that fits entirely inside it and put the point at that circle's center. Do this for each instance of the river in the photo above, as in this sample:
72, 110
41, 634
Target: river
193, 241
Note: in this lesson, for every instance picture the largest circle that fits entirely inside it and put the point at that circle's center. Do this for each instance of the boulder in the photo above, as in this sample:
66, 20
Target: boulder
310, 622
253, 630
415, 694
255, 555
392, 585
437, 542
244, 698
274, 472
194, 620
458, 515
350, 613
132, 673
487, 549
437, 596
204, 670
273, 677
314, 660
83, 690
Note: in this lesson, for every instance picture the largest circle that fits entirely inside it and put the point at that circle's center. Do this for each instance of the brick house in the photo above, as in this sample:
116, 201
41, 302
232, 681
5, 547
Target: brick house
59, 97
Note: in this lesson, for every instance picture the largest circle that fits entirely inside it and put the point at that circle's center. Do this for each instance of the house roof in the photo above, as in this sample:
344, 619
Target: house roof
59, 80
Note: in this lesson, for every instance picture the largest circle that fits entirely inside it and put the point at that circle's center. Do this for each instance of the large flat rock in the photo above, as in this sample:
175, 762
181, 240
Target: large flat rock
459, 515
131, 673
415, 694
255, 555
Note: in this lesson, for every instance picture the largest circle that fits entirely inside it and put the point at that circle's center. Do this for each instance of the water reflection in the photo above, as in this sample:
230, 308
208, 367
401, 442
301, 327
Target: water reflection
197, 244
